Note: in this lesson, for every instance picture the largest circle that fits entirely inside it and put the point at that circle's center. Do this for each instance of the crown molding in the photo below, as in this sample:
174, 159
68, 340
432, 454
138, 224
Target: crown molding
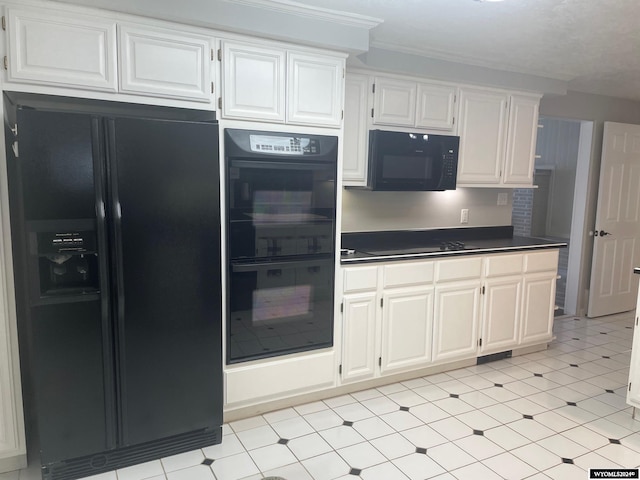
462, 59
318, 13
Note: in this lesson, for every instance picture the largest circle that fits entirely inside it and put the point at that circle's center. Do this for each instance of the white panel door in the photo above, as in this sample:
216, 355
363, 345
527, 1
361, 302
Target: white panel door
616, 248
315, 90
66, 50
394, 102
538, 306
407, 323
253, 82
359, 336
482, 129
501, 314
436, 106
456, 317
164, 63
521, 140
354, 166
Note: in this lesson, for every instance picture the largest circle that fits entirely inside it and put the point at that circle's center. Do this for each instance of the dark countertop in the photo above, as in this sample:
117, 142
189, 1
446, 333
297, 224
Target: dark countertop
636, 270
365, 247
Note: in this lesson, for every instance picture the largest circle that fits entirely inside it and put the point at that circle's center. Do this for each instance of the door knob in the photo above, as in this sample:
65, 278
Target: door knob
603, 233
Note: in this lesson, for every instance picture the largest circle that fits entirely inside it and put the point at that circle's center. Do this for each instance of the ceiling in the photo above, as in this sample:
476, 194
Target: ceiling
589, 46
592, 45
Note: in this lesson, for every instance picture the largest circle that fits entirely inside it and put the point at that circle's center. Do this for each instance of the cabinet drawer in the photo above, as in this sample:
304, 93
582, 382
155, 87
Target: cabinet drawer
459, 269
503, 265
407, 274
541, 261
360, 279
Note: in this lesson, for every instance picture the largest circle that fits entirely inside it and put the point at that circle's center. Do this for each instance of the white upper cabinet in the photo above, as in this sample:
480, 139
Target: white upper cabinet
521, 140
77, 51
435, 109
497, 138
315, 89
63, 49
482, 129
253, 82
166, 63
261, 83
394, 102
354, 150
407, 103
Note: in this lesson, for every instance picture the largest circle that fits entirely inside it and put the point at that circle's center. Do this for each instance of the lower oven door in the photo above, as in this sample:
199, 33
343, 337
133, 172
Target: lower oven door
279, 307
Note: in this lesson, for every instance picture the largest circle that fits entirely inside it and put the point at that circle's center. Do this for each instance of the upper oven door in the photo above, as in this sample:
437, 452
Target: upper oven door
280, 204
411, 161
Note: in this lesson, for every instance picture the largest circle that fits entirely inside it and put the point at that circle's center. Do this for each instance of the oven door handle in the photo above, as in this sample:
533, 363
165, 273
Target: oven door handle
260, 266
281, 165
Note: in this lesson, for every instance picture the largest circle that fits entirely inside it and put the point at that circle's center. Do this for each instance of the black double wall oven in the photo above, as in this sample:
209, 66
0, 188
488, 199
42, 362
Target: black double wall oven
281, 211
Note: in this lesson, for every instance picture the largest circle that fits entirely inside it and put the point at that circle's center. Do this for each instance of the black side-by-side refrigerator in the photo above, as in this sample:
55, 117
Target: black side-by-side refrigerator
116, 246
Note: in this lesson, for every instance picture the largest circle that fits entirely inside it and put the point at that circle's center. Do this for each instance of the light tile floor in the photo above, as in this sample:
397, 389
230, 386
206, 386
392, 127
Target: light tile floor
551, 414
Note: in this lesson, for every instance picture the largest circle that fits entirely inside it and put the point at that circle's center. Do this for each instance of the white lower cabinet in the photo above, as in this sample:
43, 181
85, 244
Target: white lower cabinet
455, 327
538, 306
407, 322
278, 378
387, 319
359, 336
501, 313
406, 315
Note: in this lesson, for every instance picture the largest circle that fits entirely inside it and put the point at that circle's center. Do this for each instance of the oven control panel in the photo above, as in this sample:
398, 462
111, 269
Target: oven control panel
284, 145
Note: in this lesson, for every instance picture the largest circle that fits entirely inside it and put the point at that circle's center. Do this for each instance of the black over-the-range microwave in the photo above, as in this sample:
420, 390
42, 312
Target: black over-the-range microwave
401, 161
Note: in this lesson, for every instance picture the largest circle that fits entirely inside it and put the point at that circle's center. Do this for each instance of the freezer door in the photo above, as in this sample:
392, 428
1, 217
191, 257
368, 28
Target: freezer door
164, 202
61, 288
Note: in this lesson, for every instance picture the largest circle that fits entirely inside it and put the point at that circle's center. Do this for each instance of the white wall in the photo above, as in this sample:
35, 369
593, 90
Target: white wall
364, 210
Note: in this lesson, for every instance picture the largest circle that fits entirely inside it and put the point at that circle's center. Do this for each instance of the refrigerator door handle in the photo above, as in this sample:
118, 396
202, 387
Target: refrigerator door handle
118, 280
105, 287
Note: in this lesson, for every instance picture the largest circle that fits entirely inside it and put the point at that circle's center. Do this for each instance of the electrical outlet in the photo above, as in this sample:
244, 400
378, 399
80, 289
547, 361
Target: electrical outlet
503, 198
464, 215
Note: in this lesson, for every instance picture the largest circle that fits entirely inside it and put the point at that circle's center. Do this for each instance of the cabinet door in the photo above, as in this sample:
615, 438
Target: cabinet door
394, 102
521, 140
164, 63
67, 50
315, 90
407, 323
435, 107
253, 82
456, 317
633, 392
354, 167
359, 336
482, 129
501, 314
538, 306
